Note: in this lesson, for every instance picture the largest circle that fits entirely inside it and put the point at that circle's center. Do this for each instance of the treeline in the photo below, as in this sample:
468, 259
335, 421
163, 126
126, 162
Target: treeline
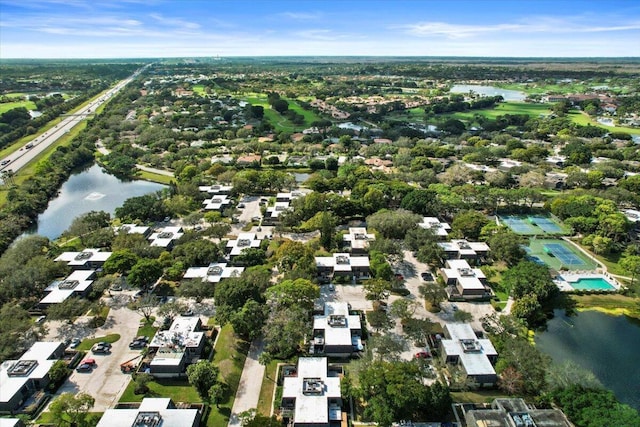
26, 201
456, 103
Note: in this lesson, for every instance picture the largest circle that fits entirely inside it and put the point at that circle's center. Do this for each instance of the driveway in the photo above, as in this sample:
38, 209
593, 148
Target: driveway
106, 383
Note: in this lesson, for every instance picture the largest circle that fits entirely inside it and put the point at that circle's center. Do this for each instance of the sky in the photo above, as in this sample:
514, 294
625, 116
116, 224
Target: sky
226, 28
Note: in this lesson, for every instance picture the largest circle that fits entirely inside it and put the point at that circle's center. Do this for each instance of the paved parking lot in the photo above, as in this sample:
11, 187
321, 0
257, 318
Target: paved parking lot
106, 383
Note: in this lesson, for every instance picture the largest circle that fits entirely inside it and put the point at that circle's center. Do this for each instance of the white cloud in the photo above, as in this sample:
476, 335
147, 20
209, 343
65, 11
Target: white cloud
301, 16
533, 25
175, 22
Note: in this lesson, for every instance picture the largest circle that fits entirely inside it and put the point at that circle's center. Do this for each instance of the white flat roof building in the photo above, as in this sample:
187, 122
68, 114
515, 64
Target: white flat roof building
133, 229
315, 395
463, 249
468, 281
288, 197
216, 189
342, 263
277, 209
77, 283
336, 332
19, 378
175, 346
88, 258
213, 273
152, 412
242, 242
476, 356
216, 203
358, 239
440, 229
166, 236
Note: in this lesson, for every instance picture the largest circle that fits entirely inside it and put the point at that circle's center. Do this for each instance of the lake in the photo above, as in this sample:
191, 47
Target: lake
89, 190
606, 345
507, 94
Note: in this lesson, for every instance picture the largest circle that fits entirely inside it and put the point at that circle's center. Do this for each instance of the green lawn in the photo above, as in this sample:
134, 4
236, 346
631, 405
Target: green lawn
266, 391
280, 122
583, 119
86, 345
480, 396
502, 109
198, 89
610, 303
229, 355
147, 329
6, 106
177, 390
155, 177
47, 418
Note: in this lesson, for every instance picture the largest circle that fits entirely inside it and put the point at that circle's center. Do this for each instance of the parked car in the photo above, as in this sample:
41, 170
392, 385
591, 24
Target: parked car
187, 313
5, 162
454, 307
105, 344
422, 355
399, 277
41, 319
137, 344
332, 287
427, 277
240, 205
84, 367
75, 343
100, 349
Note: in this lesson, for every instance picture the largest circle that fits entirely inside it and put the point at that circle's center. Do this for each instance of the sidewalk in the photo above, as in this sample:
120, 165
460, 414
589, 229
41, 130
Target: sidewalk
250, 384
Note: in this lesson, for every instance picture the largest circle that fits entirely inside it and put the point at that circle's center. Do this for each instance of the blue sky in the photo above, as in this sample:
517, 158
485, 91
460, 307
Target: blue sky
179, 28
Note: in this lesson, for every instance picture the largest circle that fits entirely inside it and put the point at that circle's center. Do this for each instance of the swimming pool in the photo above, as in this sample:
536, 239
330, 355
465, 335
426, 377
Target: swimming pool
591, 284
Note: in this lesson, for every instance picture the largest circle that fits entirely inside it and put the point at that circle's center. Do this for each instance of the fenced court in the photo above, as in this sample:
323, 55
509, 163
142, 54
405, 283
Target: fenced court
558, 255
518, 224
534, 225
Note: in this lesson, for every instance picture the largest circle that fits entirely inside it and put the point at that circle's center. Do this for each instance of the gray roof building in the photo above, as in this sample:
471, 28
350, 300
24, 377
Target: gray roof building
476, 356
152, 412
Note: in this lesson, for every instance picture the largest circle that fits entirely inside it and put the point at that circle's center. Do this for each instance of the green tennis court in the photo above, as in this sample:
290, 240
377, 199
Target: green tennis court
534, 225
558, 255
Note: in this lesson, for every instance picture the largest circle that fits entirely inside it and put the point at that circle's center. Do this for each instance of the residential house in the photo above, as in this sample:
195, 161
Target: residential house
217, 203
133, 229
343, 264
176, 348
20, 379
475, 356
462, 249
510, 412
336, 333
214, 273
242, 242
463, 281
166, 237
77, 284
86, 260
272, 214
216, 189
440, 229
151, 412
358, 240
311, 394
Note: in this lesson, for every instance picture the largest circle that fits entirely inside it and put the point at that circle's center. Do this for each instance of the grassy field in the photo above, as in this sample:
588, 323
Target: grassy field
147, 329
583, 119
512, 108
540, 88
155, 177
198, 89
480, 396
6, 106
610, 303
47, 418
86, 345
279, 122
177, 390
266, 391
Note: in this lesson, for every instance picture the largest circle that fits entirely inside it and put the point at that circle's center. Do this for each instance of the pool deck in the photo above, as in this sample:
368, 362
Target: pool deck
564, 280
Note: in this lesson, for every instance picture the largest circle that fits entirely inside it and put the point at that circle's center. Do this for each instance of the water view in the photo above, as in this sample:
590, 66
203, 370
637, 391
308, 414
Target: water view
606, 345
507, 94
90, 190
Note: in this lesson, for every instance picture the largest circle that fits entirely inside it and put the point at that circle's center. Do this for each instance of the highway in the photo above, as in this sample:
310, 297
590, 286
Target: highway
20, 158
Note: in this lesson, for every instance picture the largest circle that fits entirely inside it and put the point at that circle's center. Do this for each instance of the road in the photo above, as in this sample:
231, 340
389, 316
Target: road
26, 154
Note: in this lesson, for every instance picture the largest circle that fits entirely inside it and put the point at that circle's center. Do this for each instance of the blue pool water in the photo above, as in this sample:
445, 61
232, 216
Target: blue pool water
592, 284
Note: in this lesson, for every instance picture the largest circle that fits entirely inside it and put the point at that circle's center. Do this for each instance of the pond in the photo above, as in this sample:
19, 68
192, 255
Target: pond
301, 177
89, 190
606, 345
507, 94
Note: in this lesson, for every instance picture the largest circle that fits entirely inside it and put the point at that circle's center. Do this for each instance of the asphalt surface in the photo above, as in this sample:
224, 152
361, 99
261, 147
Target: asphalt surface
248, 392
23, 156
106, 382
